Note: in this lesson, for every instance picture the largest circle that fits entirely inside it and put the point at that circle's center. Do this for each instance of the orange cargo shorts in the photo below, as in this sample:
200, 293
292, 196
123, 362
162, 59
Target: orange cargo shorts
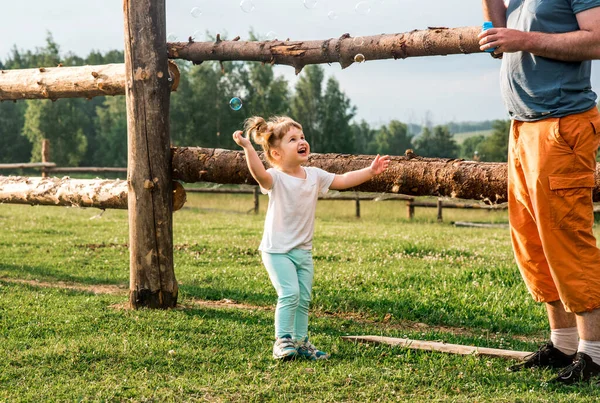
551, 165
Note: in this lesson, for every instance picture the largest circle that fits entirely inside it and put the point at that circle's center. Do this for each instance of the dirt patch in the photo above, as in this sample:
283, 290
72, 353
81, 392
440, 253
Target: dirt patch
94, 246
94, 288
388, 321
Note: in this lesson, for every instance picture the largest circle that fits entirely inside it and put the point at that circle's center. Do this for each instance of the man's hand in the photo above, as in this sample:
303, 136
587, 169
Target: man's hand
379, 164
575, 46
241, 140
505, 40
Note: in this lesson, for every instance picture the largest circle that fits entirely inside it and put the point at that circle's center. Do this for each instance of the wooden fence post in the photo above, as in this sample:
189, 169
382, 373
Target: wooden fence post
256, 194
410, 209
45, 155
149, 169
357, 206
440, 217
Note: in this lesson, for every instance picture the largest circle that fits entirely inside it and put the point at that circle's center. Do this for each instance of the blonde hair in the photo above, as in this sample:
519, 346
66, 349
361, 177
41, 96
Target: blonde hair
268, 134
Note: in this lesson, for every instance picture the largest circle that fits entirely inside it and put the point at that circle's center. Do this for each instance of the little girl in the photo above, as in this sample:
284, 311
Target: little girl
287, 240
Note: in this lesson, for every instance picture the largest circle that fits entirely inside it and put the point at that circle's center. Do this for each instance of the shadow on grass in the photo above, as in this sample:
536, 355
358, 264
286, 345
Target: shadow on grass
45, 273
403, 307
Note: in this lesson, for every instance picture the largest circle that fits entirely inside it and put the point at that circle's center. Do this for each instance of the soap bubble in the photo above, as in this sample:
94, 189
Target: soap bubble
358, 41
332, 15
235, 103
196, 12
359, 58
363, 7
197, 35
247, 6
171, 37
310, 3
271, 35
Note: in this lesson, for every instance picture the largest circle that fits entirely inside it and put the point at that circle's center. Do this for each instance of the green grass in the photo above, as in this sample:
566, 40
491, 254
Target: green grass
379, 275
460, 137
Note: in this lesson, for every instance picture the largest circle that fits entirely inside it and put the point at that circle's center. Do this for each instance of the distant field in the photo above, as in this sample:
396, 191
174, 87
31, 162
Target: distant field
460, 137
65, 337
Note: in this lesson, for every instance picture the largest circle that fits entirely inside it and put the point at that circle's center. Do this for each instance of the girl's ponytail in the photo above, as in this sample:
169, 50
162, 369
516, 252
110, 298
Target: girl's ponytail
257, 129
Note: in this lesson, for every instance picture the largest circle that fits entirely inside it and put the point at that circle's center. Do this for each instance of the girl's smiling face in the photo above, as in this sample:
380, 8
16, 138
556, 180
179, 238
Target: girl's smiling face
293, 148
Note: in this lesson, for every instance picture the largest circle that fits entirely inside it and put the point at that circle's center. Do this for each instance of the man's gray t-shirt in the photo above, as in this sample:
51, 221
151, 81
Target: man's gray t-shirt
535, 87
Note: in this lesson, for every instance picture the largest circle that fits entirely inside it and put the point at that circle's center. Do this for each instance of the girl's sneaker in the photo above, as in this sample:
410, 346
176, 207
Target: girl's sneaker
284, 348
307, 350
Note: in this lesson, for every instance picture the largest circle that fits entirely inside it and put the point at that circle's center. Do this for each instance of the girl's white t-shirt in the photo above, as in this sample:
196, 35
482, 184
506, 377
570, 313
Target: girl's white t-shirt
290, 219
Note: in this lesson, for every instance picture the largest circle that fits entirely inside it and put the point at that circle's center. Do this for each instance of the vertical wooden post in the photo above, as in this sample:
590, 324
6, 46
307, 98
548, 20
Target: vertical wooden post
256, 194
152, 278
45, 155
357, 206
410, 209
440, 218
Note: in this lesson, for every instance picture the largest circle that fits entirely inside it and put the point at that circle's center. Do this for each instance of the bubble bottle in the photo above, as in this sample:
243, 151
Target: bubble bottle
487, 25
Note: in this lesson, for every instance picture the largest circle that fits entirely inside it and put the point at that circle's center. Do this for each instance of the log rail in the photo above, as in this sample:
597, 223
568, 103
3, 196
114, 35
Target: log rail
53, 82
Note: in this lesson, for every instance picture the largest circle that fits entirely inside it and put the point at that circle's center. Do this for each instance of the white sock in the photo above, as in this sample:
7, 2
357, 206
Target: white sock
591, 348
565, 339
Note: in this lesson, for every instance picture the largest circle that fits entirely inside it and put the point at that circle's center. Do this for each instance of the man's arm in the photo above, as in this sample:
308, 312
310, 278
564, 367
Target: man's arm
495, 11
575, 46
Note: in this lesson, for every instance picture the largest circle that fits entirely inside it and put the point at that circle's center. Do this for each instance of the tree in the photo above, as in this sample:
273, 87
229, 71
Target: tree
200, 113
364, 138
111, 126
48, 56
60, 122
495, 147
267, 95
436, 143
336, 114
471, 145
393, 139
306, 105
13, 146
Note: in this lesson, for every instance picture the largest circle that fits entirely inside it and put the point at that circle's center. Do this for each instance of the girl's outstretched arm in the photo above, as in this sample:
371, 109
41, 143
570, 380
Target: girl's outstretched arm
355, 178
255, 165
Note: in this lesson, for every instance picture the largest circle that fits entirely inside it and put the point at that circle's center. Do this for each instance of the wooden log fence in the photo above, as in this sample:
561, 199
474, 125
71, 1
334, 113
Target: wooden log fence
97, 193
28, 165
69, 82
146, 81
47, 167
91, 81
357, 197
434, 41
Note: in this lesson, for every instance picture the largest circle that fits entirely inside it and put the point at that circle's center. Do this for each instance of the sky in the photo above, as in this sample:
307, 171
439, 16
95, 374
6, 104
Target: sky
438, 88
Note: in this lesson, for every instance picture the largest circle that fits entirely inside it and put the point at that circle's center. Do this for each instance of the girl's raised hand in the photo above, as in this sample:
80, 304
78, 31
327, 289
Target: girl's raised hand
380, 164
240, 139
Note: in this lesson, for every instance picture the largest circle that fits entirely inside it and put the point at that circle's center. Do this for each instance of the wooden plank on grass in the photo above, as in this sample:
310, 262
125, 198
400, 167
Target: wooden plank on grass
479, 225
440, 347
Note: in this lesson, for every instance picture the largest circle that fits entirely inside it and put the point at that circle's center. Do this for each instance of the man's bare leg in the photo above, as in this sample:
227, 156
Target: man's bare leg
588, 325
559, 318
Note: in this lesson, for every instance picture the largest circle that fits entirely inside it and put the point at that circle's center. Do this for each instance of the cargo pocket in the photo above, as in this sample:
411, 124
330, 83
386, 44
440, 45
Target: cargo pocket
595, 122
571, 200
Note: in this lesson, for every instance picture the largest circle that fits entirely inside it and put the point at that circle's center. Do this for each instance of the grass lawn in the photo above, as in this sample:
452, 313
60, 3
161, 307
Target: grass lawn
64, 278
461, 137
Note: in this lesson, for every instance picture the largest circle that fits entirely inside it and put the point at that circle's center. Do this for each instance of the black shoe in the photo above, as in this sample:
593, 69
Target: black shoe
581, 370
547, 356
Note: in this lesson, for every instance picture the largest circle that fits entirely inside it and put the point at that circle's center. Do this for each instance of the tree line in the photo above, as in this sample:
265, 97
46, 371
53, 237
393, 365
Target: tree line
94, 132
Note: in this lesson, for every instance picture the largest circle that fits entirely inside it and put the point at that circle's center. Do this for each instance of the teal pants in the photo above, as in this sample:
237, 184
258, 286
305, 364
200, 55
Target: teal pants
292, 276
